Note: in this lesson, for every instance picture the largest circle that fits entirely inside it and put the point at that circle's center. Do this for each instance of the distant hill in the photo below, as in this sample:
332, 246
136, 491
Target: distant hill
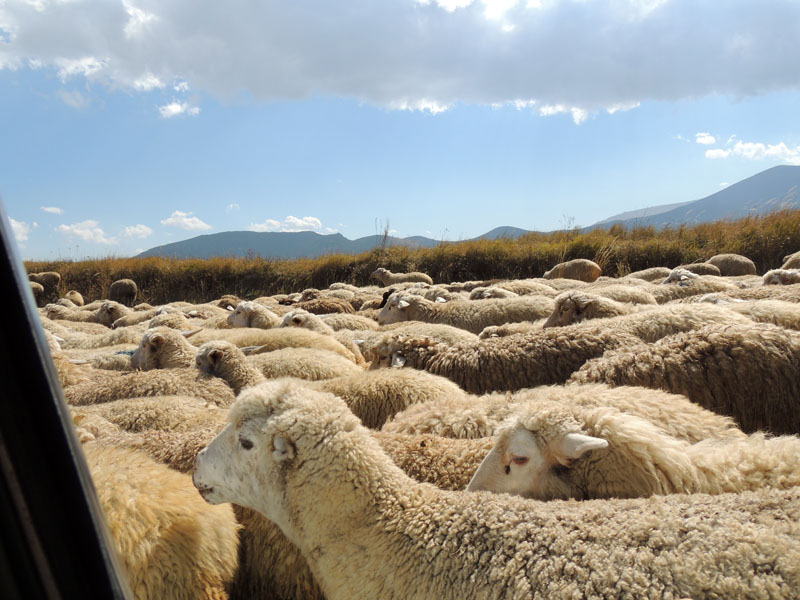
774, 189
299, 244
765, 192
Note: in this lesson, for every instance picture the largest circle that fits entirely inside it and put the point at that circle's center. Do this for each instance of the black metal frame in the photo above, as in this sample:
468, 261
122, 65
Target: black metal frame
54, 542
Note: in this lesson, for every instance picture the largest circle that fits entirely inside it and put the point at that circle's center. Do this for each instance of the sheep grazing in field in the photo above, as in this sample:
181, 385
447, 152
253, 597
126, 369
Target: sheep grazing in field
49, 280
123, 291
749, 372
471, 417
733, 264
107, 312
694, 285
325, 305
303, 460
253, 314
387, 278
472, 316
561, 451
581, 269
651, 274
169, 544
781, 277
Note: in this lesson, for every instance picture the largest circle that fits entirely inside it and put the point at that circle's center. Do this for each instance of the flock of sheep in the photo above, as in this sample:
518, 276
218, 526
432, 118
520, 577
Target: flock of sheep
565, 436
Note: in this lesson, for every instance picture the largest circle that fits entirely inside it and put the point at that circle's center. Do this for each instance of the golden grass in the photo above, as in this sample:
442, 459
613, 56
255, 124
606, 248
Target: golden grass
617, 250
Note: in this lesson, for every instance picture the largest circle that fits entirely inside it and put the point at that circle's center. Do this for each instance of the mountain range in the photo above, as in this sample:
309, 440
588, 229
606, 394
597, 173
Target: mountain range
774, 189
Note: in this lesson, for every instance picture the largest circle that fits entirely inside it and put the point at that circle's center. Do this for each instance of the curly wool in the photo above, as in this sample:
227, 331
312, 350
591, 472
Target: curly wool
749, 372
473, 316
170, 543
441, 544
112, 385
472, 417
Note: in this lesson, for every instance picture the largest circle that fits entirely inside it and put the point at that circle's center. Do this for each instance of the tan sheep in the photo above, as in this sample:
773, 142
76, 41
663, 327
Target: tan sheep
733, 264
580, 268
253, 314
387, 278
781, 277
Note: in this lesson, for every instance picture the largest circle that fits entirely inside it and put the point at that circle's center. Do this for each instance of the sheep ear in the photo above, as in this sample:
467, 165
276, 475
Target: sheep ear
402, 304
282, 449
188, 334
157, 340
398, 360
440, 299
229, 307
297, 320
574, 445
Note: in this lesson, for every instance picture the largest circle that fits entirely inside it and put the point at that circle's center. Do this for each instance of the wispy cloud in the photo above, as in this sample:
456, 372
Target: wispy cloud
88, 231
231, 207
412, 55
21, 230
137, 231
52, 210
185, 220
758, 151
705, 138
290, 223
74, 99
175, 109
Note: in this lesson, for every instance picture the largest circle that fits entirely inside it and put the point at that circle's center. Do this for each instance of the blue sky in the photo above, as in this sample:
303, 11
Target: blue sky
127, 125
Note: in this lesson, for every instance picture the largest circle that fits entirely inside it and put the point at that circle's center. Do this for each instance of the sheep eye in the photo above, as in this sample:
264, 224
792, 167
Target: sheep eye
519, 460
246, 444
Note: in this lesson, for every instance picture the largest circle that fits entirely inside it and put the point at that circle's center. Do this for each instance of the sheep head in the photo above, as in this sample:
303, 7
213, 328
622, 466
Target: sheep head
395, 310
532, 463
570, 308
242, 315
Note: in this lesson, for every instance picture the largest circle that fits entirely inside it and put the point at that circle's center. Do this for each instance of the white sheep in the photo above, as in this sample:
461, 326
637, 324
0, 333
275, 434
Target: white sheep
580, 269
649, 274
747, 371
575, 306
253, 314
304, 461
679, 274
781, 277
387, 278
733, 264
567, 451
169, 544
478, 417
472, 316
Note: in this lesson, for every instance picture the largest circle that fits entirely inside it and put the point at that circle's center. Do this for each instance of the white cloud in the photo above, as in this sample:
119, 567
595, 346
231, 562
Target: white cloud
717, 153
231, 207
147, 82
181, 87
137, 231
21, 230
420, 55
184, 220
330, 230
724, 184
290, 223
52, 210
578, 114
173, 109
758, 151
87, 231
705, 138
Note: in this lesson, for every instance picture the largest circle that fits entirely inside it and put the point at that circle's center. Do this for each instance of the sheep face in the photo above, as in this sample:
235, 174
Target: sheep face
395, 310
111, 311
294, 318
241, 315
161, 348
524, 464
569, 309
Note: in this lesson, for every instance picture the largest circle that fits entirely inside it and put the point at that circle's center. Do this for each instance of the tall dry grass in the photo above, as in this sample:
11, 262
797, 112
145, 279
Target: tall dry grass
617, 250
